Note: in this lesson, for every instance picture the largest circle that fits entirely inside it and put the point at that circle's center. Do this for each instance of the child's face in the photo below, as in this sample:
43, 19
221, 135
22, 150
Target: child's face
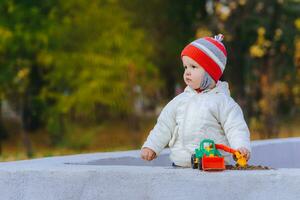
193, 72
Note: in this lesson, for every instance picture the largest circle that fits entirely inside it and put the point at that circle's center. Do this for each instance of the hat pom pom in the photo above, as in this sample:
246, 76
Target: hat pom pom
219, 37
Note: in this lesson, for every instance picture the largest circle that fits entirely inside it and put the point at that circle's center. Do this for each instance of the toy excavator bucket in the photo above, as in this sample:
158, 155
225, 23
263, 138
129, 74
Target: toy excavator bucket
213, 163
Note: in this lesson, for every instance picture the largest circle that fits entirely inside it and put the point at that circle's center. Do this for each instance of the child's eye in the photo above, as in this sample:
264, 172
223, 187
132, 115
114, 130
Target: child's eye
185, 67
194, 67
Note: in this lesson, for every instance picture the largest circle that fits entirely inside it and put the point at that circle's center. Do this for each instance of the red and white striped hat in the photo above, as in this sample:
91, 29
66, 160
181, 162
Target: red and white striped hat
209, 53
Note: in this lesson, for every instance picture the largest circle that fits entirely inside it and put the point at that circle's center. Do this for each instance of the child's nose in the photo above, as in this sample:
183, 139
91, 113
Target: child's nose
188, 71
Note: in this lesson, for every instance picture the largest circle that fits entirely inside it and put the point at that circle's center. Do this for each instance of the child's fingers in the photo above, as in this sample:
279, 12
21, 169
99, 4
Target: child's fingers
248, 156
144, 155
150, 155
147, 154
242, 151
153, 155
245, 153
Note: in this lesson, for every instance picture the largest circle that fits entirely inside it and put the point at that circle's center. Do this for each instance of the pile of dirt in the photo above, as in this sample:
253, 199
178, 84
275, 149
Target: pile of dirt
247, 167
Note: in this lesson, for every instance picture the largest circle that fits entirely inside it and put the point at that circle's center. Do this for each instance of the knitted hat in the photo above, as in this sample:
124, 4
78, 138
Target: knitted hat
209, 53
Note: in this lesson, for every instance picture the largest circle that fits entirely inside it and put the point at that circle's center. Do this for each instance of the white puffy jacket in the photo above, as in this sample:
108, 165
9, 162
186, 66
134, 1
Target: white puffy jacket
191, 117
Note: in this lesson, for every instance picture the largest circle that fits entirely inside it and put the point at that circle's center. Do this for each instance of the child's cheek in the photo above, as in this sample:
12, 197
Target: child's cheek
198, 80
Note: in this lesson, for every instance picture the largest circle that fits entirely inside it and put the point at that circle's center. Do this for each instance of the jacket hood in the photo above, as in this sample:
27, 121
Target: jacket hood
221, 87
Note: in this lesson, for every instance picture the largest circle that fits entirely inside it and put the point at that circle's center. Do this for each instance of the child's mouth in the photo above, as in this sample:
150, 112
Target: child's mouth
188, 79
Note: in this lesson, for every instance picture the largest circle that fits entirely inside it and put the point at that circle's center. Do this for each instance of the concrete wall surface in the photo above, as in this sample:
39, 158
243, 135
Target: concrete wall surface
122, 175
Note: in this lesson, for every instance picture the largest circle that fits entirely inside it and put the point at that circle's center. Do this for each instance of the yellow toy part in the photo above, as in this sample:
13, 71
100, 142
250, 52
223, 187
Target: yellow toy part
241, 160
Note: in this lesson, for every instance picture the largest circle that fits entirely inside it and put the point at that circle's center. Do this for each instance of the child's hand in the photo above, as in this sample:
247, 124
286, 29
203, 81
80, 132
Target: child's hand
147, 154
245, 152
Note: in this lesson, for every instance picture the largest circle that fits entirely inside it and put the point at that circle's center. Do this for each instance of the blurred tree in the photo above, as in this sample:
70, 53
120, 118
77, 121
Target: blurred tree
23, 26
65, 60
3, 132
95, 60
5, 35
169, 26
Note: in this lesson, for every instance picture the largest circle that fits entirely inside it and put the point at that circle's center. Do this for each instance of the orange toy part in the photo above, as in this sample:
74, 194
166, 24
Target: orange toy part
213, 163
225, 148
241, 160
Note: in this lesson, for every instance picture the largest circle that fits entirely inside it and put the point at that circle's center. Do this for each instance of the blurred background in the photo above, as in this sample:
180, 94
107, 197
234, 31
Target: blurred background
83, 76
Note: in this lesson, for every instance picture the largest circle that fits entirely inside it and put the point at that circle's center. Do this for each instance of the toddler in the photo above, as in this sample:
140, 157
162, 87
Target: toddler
204, 110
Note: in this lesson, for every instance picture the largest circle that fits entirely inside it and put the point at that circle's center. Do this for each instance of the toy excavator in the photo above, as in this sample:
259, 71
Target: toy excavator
208, 158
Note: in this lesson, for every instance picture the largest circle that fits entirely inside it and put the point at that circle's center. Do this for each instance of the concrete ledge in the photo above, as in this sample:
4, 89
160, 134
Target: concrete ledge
122, 175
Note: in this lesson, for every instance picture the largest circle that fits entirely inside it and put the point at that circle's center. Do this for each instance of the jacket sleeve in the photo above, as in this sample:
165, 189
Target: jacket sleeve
161, 134
232, 120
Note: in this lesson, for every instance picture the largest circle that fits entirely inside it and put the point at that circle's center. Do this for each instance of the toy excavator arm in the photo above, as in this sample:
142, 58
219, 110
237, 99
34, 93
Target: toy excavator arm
241, 160
225, 148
